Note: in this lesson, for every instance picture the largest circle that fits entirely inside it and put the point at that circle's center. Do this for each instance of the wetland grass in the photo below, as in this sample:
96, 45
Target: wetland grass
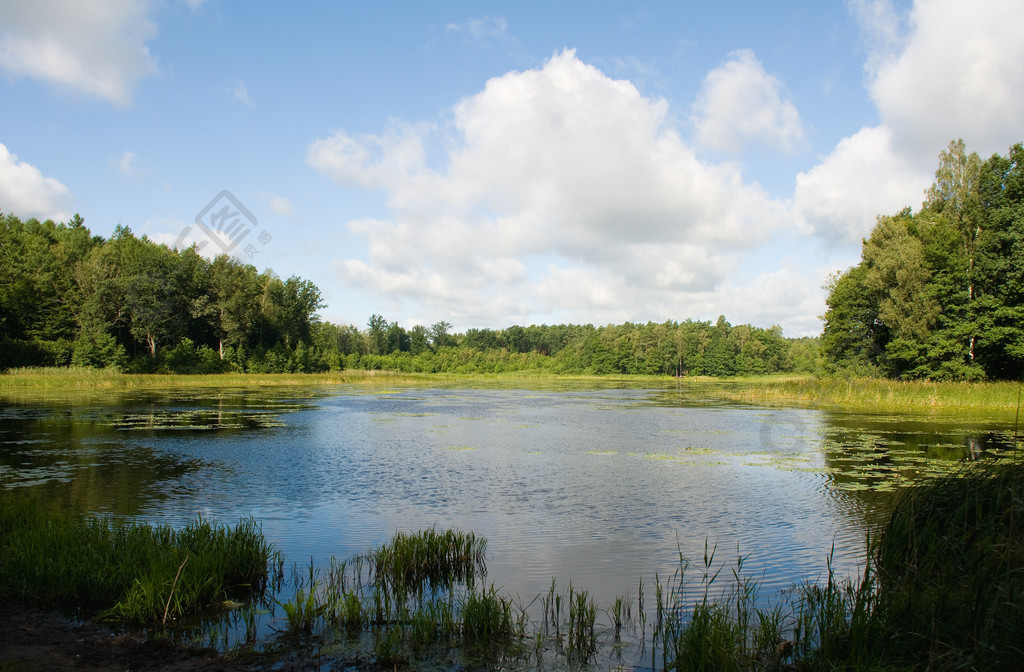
868, 394
29, 382
131, 572
943, 589
950, 571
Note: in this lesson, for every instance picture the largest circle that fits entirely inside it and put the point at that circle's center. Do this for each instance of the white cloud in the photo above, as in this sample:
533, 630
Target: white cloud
740, 104
562, 195
281, 206
946, 70
483, 29
958, 72
240, 92
865, 176
97, 48
126, 164
26, 193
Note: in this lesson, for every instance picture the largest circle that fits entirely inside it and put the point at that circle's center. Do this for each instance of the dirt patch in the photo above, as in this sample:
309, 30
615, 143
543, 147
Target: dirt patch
33, 641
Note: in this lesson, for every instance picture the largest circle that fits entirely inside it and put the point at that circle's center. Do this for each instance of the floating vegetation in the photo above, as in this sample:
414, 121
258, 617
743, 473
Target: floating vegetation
602, 452
196, 420
462, 447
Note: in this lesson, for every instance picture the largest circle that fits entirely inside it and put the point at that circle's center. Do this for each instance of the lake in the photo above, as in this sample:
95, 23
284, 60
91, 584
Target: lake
600, 486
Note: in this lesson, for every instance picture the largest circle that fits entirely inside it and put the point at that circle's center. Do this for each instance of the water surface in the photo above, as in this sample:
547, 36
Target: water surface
601, 487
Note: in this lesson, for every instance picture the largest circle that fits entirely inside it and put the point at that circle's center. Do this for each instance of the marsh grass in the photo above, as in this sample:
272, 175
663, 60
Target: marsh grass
418, 562
131, 572
42, 380
950, 571
943, 589
862, 393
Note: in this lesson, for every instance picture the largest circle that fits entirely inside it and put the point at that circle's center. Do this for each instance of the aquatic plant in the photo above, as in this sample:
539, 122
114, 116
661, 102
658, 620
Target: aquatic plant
129, 571
416, 562
950, 570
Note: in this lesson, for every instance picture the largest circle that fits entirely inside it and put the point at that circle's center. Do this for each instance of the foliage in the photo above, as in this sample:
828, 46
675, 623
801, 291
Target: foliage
67, 297
938, 294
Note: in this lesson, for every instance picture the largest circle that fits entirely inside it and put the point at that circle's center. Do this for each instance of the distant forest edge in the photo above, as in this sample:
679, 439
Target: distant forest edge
939, 294
68, 297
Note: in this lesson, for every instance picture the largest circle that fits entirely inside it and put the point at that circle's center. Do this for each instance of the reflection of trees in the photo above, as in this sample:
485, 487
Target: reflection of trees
72, 459
85, 452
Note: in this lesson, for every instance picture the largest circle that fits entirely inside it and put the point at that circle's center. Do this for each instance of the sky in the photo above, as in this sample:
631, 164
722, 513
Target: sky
489, 164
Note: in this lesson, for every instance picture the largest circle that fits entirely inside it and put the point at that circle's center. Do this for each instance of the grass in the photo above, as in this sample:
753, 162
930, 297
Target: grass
943, 590
87, 379
854, 393
864, 393
416, 563
133, 572
950, 571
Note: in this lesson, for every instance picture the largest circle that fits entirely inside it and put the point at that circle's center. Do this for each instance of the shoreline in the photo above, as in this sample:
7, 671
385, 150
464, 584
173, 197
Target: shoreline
858, 394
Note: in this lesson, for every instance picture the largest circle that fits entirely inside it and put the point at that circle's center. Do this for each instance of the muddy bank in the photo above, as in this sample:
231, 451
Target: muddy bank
35, 641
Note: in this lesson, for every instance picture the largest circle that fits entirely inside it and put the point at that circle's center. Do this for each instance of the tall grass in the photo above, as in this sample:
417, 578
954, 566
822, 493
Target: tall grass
43, 380
950, 571
943, 589
864, 393
414, 563
133, 572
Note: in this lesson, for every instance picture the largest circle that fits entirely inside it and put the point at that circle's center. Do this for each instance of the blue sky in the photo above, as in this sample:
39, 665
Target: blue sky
490, 165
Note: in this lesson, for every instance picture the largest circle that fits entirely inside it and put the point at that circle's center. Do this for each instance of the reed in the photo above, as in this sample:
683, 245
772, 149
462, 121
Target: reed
418, 562
863, 393
132, 572
26, 381
487, 618
942, 589
950, 570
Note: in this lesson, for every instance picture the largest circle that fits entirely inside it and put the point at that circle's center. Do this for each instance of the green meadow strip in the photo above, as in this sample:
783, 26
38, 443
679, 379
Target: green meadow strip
861, 393
846, 393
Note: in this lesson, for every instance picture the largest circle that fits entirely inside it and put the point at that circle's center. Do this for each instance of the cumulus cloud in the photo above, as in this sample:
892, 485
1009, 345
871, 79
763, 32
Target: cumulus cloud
958, 72
864, 176
26, 193
560, 192
740, 104
96, 48
945, 70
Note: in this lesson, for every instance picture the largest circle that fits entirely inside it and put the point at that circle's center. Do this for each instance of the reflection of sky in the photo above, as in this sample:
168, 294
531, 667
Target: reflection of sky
600, 487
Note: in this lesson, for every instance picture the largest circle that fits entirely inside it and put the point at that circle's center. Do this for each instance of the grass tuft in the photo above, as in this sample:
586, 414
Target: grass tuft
132, 572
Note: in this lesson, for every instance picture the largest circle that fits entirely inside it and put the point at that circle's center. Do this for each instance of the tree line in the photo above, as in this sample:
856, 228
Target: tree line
68, 297
71, 298
938, 294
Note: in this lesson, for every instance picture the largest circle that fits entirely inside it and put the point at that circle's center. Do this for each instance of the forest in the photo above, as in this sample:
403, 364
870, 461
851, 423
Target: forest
71, 298
938, 294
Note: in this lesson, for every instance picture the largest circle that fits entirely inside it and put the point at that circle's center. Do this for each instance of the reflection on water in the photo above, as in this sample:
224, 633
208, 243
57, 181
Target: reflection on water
602, 487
